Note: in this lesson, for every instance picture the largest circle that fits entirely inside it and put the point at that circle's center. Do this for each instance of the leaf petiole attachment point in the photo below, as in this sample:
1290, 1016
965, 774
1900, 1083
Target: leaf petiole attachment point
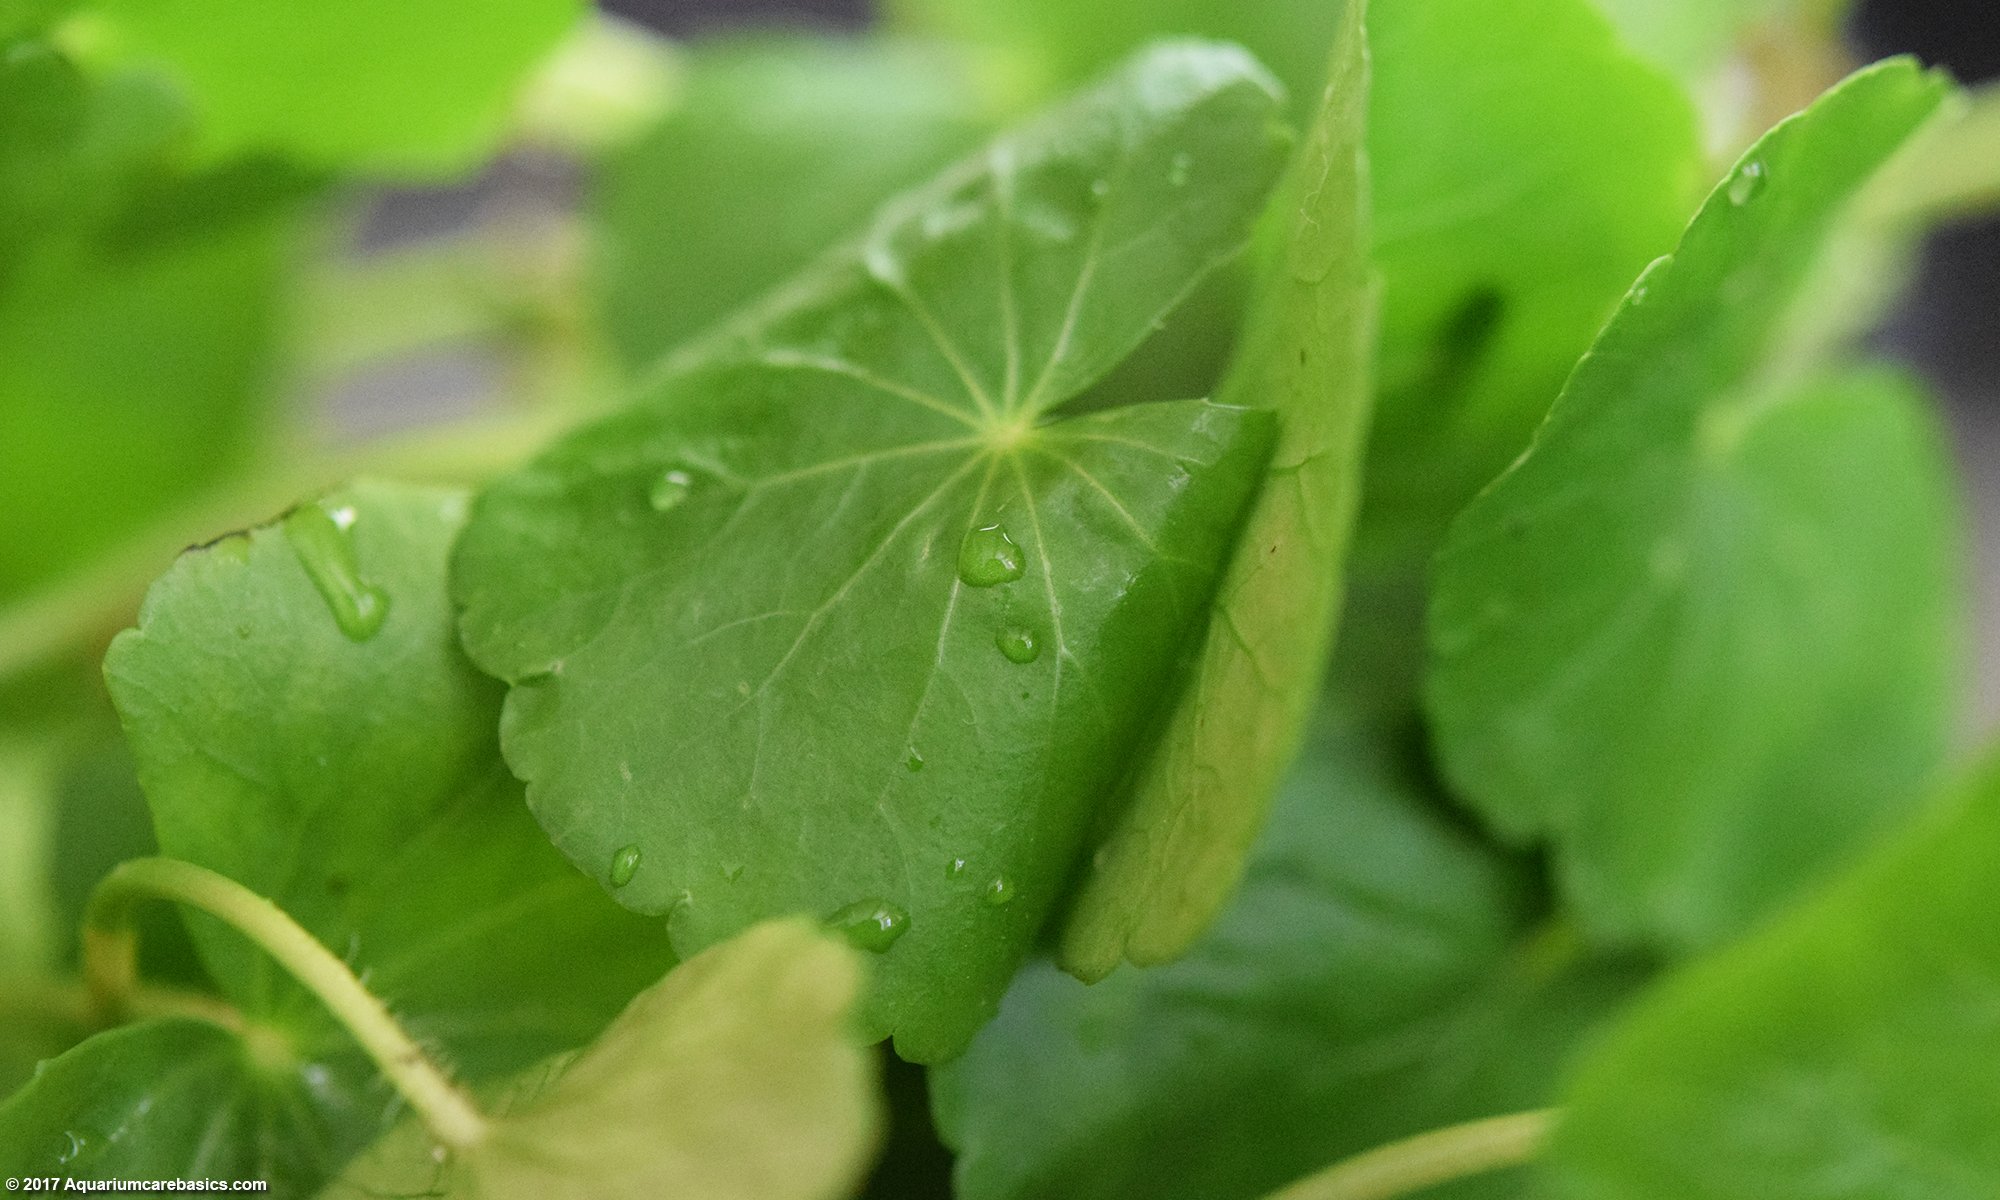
111, 974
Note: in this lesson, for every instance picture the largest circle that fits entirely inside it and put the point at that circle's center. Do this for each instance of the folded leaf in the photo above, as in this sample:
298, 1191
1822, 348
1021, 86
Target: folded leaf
304, 723
1202, 792
1701, 637
735, 1078
1845, 1051
843, 618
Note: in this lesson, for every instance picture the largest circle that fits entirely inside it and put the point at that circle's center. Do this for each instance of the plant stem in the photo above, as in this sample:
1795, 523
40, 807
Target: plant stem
110, 973
1951, 170
70, 1002
1428, 1159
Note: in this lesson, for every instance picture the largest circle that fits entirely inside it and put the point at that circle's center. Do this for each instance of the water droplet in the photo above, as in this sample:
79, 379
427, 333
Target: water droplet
1746, 183
954, 868
732, 871
73, 1144
624, 865
1100, 188
872, 925
324, 543
915, 762
1177, 170
1018, 644
1000, 891
670, 489
989, 557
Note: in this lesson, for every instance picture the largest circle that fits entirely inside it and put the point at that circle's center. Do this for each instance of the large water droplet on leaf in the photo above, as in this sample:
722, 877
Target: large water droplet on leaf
670, 489
1000, 891
624, 865
872, 925
1746, 183
1018, 644
989, 557
324, 543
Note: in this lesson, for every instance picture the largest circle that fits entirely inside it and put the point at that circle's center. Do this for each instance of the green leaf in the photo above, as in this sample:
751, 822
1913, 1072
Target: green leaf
171, 1098
117, 265
1702, 636
1202, 794
1037, 47
735, 1078
1380, 973
1525, 167
845, 614
415, 87
1846, 1050
777, 147
336, 753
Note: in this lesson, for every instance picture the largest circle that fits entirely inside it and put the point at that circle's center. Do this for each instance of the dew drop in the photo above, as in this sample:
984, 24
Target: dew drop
624, 865
1018, 644
1177, 170
872, 925
954, 868
915, 762
1746, 183
670, 489
989, 557
73, 1144
1000, 891
324, 543
1100, 188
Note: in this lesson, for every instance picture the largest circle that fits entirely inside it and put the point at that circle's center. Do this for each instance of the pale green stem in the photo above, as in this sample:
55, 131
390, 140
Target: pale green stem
110, 956
1407, 1167
66, 613
70, 1002
1948, 171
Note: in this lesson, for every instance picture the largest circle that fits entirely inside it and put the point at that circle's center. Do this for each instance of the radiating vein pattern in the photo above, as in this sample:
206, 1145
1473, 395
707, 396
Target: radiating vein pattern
837, 613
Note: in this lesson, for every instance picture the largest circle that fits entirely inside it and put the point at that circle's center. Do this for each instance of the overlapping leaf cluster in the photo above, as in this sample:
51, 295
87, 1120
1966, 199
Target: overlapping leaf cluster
1016, 398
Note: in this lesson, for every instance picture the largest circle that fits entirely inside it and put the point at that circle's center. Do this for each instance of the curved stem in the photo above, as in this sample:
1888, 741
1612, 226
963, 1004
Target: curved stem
1428, 1159
110, 973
